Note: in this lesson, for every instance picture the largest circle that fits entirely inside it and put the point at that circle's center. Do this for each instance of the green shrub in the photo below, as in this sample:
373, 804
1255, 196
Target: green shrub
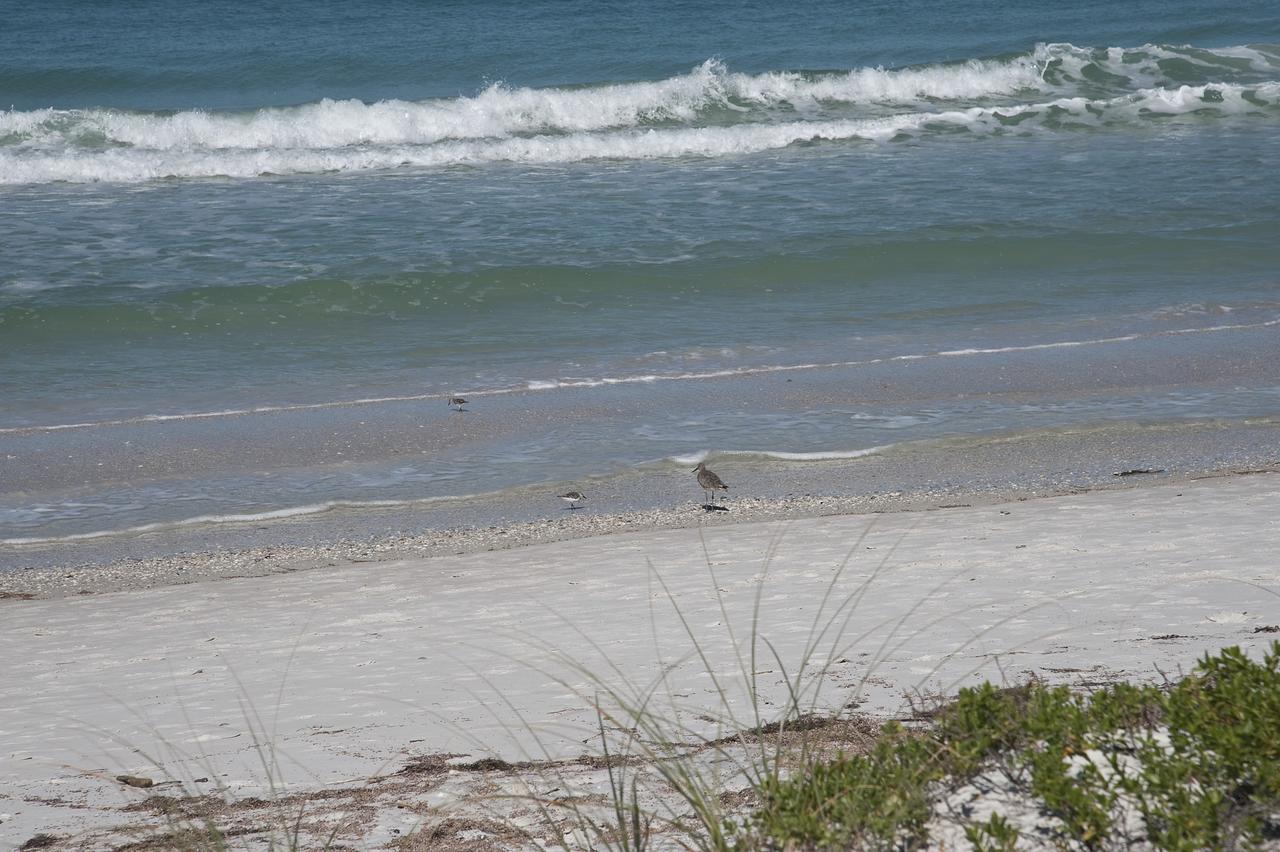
1217, 778
983, 722
875, 801
994, 835
1199, 763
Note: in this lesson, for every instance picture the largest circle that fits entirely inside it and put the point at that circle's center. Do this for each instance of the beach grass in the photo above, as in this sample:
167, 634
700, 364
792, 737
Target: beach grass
692, 775
1184, 765
192, 809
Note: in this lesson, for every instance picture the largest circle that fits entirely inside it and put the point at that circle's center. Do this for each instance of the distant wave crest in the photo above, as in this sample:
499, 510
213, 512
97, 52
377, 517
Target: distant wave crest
708, 112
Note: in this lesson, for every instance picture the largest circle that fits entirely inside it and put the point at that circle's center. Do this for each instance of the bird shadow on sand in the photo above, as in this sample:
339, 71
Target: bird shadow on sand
714, 507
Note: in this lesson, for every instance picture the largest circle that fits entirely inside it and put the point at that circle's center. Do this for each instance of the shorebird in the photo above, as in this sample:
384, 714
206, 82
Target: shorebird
709, 481
456, 402
572, 497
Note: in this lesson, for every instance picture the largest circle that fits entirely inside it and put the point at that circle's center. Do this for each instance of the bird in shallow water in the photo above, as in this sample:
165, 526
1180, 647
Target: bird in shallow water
572, 497
456, 402
710, 482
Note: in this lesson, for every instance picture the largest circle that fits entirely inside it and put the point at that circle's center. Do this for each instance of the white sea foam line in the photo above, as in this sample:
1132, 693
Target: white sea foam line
275, 514
555, 384
237, 412
816, 455
25, 164
780, 455
500, 111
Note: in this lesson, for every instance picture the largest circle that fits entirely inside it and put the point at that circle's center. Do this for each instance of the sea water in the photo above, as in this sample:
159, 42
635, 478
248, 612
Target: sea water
247, 249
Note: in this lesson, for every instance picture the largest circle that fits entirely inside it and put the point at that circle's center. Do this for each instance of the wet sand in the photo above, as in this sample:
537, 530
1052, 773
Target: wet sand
914, 480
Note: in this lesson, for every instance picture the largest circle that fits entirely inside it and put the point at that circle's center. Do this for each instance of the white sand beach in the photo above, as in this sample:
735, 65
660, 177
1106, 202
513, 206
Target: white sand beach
346, 674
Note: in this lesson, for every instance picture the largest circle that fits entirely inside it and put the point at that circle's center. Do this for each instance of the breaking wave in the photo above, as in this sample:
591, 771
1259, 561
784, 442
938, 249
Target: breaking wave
709, 112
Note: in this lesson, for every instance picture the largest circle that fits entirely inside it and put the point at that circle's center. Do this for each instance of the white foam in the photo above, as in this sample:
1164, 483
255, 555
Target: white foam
780, 455
238, 412
662, 119
500, 111
251, 517
972, 79
1062, 344
1063, 63
817, 455
893, 421
1225, 327
132, 165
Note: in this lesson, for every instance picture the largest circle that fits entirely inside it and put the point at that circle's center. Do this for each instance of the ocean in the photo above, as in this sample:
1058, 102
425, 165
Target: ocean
248, 249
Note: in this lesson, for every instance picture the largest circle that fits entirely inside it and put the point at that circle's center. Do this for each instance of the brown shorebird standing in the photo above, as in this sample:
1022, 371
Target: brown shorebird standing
709, 481
456, 402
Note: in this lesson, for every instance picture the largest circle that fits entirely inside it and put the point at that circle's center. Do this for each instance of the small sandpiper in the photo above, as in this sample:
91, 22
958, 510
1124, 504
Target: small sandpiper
572, 498
710, 482
456, 402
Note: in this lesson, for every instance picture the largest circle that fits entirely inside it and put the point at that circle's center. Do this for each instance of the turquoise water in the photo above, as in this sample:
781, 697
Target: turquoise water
246, 249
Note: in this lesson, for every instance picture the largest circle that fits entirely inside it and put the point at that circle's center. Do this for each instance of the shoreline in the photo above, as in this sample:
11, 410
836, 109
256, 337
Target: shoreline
183, 568
335, 482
